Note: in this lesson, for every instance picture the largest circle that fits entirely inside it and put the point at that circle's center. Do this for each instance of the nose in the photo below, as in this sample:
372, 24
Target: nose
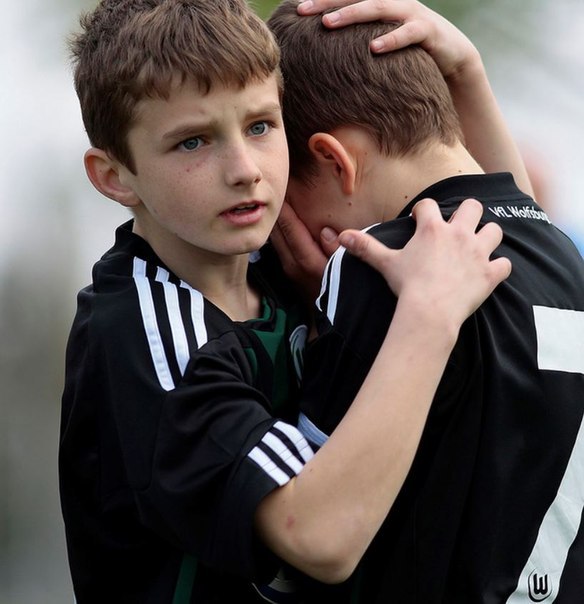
241, 167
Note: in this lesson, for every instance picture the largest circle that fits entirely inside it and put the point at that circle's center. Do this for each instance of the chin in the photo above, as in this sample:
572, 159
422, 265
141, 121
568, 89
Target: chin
248, 247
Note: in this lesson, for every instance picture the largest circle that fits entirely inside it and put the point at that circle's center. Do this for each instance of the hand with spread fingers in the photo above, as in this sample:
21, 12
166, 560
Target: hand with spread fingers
446, 268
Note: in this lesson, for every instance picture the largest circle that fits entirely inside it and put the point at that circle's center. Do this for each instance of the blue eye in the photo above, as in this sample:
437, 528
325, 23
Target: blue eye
259, 128
191, 144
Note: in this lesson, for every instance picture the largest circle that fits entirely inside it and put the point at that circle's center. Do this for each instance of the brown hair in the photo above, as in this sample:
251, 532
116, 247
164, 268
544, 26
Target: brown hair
132, 49
332, 79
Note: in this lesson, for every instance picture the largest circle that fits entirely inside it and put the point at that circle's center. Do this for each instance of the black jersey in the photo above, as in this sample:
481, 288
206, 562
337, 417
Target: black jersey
491, 509
176, 422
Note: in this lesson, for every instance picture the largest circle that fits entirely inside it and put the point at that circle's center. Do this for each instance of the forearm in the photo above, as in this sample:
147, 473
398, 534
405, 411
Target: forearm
486, 133
323, 520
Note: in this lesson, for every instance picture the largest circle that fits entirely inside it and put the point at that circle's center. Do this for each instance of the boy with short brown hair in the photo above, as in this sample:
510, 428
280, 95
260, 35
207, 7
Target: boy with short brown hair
150, 61
483, 513
403, 101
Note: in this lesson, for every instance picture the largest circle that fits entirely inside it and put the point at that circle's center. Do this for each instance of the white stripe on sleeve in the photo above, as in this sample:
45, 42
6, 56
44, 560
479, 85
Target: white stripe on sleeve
283, 453
268, 466
197, 314
297, 438
151, 325
179, 336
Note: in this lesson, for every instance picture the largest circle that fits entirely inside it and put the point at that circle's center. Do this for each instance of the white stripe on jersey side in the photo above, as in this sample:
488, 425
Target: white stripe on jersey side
197, 314
334, 280
283, 452
323, 284
560, 337
179, 335
334, 277
151, 325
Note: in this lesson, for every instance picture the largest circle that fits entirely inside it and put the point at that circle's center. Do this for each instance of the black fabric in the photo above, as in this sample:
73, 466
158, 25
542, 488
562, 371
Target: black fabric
165, 397
500, 430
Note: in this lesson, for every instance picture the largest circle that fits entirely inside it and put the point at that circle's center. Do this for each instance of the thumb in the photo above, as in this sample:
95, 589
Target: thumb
329, 241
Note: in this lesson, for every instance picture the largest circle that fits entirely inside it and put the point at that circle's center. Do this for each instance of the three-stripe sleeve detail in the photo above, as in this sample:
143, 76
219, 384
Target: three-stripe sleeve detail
282, 452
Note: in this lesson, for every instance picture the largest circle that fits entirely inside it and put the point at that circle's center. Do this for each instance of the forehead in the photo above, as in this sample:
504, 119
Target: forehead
190, 98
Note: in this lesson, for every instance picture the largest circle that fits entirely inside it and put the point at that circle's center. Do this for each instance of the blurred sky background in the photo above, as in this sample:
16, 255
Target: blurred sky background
53, 226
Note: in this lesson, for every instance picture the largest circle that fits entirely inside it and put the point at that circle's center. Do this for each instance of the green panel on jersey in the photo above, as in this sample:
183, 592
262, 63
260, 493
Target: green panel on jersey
186, 580
275, 342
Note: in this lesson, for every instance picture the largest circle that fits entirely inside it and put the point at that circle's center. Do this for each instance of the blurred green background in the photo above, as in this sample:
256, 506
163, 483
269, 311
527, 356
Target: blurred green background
53, 226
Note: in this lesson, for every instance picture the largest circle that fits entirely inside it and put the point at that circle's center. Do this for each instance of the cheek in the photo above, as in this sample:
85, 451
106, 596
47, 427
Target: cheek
279, 176
277, 164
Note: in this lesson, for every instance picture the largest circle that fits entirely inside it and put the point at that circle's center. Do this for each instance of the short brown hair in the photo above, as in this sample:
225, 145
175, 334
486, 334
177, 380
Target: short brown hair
132, 49
332, 79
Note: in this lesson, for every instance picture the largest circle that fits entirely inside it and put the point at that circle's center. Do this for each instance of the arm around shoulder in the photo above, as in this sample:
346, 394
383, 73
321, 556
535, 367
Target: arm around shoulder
324, 519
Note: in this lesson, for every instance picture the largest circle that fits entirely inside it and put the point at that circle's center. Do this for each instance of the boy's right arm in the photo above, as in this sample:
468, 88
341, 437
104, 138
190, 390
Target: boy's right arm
323, 520
486, 133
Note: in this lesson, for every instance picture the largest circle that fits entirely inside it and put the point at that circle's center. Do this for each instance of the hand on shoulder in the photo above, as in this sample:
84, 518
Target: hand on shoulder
445, 271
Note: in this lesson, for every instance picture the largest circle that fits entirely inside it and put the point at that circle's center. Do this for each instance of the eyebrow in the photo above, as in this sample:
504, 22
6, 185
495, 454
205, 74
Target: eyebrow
268, 108
186, 130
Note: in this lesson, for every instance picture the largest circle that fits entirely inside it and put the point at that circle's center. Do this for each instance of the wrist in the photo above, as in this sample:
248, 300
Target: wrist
428, 321
468, 73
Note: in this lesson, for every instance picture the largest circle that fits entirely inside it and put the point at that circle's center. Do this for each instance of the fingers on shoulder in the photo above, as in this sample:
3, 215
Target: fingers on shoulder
427, 211
366, 247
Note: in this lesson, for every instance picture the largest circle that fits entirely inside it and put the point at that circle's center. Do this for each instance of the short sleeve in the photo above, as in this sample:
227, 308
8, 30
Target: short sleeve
218, 453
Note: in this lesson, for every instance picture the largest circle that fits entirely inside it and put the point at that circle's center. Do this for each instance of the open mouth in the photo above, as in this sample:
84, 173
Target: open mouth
245, 214
250, 207
244, 208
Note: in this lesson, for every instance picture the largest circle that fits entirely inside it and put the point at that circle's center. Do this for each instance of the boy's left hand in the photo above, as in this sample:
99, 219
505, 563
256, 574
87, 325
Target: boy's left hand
446, 267
303, 259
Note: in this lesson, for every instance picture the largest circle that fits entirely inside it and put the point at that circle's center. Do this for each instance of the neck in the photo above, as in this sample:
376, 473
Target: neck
222, 279
402, 179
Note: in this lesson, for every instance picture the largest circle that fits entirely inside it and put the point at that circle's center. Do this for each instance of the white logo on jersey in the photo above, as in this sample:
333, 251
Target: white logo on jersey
517, 212
540, 587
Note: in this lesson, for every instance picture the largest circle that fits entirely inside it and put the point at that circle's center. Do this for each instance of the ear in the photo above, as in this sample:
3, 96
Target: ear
104, 174
332, 154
